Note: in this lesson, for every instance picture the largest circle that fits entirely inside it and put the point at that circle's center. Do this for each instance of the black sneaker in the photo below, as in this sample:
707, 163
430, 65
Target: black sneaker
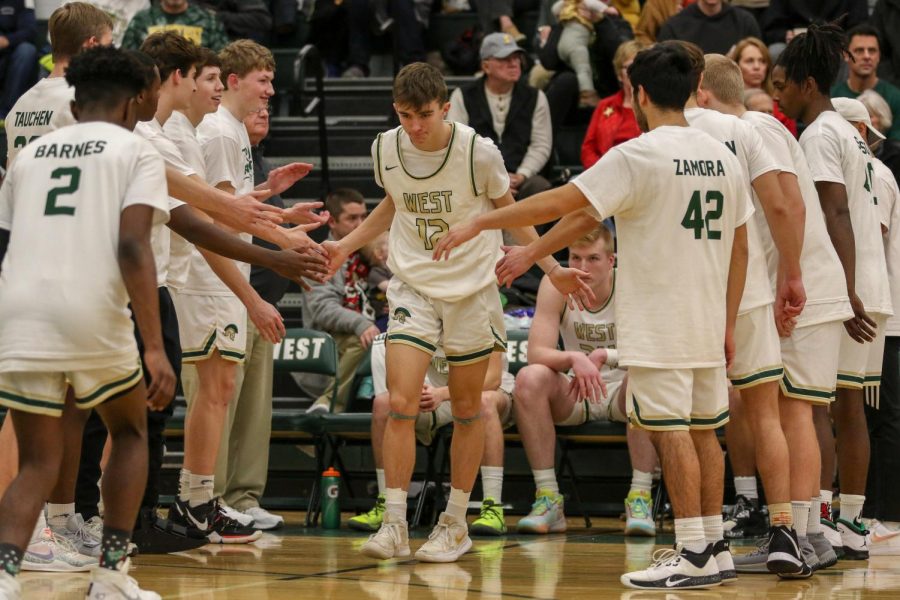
785, 555
210, 521
155, 535
745, 519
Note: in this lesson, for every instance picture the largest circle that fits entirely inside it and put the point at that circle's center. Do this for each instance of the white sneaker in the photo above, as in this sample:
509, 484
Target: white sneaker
263, 519
243, 518
448, 541
55, 554
725, 561
107, 584
9, 587
883, 541
85, 536
854, 536
677, 569
391, 539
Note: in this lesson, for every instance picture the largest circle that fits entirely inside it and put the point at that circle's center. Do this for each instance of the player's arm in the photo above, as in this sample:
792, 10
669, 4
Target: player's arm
524, 235
198, 228
378, 221
534, 210
737, 276
238, 212
835, 207
135, 258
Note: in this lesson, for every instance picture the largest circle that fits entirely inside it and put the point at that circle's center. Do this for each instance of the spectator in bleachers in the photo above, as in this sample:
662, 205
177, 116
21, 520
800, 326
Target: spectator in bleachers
759, 101
886, 19
752, 56
121, 12
496, 15
654, 14
864, 54
189, 20
502, 107
242, 18
340, 306
18, 56
882, 117
786, 18
613, 121
757, 8
712, 25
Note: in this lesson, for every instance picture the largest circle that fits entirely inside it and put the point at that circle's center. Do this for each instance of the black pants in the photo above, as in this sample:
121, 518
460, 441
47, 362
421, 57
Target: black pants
87, 494
883, 485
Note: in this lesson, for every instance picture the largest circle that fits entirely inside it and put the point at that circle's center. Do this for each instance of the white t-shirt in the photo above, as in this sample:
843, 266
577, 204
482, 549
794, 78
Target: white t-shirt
747, 146
228, 157
63, 302
586, 330
888, 196
823, 275
677, 195
44, 108
432, 192
161, 236
835, 153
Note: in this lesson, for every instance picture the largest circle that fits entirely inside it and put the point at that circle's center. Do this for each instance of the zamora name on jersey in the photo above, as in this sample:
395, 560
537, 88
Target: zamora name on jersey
704, 168
38, 118
70, 150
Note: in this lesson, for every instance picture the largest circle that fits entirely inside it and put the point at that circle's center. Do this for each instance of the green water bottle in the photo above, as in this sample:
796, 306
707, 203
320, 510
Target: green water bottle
331, 501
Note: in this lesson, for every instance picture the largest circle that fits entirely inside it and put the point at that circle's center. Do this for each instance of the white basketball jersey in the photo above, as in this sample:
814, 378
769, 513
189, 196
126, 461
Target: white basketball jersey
46, 107
427, 208
888, 197
746, 145
823, 276
677, 195
586, 330
836, 154
63, 302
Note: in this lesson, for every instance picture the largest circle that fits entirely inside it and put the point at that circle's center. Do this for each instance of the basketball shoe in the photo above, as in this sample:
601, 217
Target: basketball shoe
371, 520
745, 519
853, 539
829, 528
9, 587
778, 553
883, 541
209, 520
725, 561
84, 535
447, 542
546, 514
490, 521
824, 550
639, 514
677, 569
107, 584
391, 540
51, 553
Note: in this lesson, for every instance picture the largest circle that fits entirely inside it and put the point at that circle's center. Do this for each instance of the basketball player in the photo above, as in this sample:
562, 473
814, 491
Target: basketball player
435, 174
810, 352
103, 188
497, 413
562, 387
675, 325
840, 164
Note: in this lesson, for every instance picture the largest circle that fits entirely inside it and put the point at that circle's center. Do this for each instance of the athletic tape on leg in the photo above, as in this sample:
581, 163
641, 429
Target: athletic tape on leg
402, 417
467, 420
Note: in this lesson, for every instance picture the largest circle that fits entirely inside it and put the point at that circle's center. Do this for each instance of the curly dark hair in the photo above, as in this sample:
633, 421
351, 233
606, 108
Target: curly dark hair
818, 53
104, 75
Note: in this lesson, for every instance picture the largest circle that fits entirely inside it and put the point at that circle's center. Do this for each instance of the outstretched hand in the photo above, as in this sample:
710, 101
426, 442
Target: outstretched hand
250, 208
303, 213
281, 178
457, 236
571, 284
515, 263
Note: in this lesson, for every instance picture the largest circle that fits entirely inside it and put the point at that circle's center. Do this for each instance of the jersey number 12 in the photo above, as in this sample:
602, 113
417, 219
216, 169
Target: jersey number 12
696, 219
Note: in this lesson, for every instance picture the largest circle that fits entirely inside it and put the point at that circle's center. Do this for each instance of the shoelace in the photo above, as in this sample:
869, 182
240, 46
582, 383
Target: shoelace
378, 509
740, 509
489, 509
62, 543
666, 556
221, 517
91, 532
640, 508
392, 530
762, 547
441, 535
541, 506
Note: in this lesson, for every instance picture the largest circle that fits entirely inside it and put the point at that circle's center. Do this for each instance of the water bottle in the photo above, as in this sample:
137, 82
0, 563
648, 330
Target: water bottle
331, 502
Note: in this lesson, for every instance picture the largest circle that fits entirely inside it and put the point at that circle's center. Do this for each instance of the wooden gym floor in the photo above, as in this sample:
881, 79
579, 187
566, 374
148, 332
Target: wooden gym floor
296, 563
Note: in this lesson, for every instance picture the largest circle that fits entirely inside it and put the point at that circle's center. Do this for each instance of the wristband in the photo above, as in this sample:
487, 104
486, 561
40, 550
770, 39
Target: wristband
612, 358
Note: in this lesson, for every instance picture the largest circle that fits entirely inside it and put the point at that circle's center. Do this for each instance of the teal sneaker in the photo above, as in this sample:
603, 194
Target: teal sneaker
546, 514
639, 514
370, 521
490, 521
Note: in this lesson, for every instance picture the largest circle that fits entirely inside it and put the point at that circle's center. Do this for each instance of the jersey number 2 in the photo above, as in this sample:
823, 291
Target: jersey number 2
696, 219
74, 175
430, 229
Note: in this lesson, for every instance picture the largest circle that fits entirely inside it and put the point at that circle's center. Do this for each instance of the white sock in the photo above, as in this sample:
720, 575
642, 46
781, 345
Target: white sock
184, 485
395, 502
641, 481
58, 514
545, 479
379, 475
851, 506
826, 496
746, 487
800, 512
492, 483
458, 504
712, 528
201, 489
690, 534
813, 524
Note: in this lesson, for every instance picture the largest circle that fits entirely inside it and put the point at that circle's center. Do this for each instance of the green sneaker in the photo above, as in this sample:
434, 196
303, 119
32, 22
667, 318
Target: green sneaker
370, 521
639, 514
546, 514
490, 521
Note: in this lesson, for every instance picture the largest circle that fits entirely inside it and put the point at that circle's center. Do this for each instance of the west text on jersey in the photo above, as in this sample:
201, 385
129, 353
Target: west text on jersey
37, 118
54, 150
428, 202
703, 168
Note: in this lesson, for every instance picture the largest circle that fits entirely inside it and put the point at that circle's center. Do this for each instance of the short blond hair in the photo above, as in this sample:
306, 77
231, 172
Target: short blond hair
600, 232
722, 77
244, 56
625, 52
74, 23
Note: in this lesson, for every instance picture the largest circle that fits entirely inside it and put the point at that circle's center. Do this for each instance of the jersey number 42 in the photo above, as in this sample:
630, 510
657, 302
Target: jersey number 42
702, 217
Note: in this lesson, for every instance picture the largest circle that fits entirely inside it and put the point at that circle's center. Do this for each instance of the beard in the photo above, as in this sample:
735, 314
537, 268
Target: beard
640, 117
